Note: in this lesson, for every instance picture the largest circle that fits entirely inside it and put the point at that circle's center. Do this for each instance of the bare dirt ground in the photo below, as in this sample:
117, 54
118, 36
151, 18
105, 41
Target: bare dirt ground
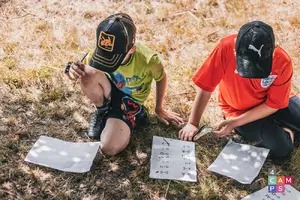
38, 37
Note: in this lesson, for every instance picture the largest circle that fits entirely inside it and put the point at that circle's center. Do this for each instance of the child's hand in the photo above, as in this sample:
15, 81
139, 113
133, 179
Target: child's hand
76, 70
167, 117
187, 132
225, 128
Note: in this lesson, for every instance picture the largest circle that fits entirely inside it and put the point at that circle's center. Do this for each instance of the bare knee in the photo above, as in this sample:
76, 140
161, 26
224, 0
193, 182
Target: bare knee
115, 137
110, 150
92, 86
96, 97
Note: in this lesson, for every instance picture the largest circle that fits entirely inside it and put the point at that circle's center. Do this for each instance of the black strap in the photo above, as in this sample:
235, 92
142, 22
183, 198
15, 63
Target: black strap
199, 131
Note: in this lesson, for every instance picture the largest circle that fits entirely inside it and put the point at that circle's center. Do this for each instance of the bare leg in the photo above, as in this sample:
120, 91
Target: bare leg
96, 86
115, 136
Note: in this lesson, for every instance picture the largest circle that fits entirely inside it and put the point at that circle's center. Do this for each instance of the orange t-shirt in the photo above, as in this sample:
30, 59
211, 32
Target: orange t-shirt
237, 94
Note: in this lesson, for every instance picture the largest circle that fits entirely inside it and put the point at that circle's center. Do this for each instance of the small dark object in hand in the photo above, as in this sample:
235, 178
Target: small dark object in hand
68, 66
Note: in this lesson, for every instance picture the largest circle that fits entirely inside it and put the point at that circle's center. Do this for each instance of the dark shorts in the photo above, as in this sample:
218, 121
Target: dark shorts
124, 107
269, 133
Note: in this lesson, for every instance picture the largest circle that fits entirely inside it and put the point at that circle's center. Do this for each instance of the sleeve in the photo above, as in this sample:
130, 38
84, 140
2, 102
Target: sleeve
212, 71
279, 92
157, 69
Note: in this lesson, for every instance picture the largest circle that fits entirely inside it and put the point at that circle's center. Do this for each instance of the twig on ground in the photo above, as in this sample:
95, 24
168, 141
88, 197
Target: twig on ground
194, 16
180, 93
186, 12
167, 189
26, 13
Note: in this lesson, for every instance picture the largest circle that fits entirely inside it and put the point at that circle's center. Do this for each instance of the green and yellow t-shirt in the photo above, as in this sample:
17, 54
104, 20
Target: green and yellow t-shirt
136, 76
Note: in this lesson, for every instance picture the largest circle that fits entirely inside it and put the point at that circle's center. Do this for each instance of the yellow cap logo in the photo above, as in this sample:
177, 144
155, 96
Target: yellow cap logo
106, 41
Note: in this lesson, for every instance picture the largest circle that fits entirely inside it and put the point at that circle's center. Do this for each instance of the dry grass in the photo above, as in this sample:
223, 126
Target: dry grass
37, 38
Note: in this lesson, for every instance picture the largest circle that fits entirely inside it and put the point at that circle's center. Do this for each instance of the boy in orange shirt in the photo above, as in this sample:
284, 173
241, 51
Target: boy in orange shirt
254, 79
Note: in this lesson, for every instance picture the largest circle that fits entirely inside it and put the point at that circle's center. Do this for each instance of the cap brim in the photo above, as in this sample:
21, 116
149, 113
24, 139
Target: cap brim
106, 61
250, 69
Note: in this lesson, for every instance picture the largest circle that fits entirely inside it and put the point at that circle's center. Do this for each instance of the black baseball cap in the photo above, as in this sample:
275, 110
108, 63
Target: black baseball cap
254, 48
115, 37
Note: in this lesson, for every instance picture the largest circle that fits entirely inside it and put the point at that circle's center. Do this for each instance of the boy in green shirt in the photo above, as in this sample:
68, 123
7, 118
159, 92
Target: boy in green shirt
117, 78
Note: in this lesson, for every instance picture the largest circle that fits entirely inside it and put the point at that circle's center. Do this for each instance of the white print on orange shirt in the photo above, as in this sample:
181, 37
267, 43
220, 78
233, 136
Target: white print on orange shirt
266, 82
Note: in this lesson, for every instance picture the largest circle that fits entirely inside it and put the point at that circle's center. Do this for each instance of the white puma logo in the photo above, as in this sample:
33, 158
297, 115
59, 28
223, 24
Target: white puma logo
255, 49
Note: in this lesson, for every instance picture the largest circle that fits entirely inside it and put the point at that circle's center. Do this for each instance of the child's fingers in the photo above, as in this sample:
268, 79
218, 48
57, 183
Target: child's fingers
77, 69
223, 123
163, 121
221, 133
175, 117
180, 120
191, 136
70, 77
179, 133
217, 133
75, 73
188, 136
174, 113
182, 135
79, 64
176, 120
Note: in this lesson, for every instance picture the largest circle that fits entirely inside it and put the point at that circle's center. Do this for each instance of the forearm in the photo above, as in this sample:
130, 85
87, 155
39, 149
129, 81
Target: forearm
160, 92
258, 112
199, 105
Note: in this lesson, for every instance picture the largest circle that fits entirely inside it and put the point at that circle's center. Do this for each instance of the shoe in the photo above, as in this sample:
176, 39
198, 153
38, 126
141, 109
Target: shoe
96, 125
